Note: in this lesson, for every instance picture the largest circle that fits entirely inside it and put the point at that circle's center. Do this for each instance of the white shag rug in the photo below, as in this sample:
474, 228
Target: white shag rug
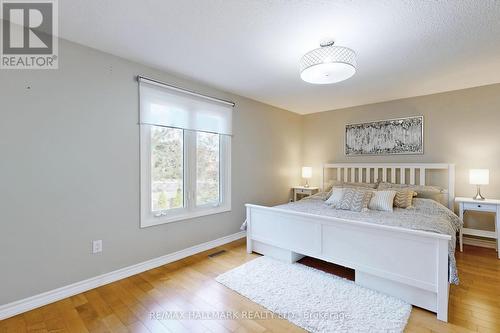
315, 300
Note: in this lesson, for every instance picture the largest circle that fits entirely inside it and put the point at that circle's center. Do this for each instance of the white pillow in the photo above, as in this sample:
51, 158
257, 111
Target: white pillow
382, 200
335, 197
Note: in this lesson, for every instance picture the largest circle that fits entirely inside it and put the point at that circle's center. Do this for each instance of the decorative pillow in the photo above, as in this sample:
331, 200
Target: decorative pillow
404, 198
339, 184
335, 197
441, 198
320, 196
355, 200
431, 194
382, 200
423, 191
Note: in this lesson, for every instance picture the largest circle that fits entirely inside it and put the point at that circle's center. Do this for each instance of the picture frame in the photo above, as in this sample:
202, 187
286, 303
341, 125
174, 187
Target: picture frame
398, 136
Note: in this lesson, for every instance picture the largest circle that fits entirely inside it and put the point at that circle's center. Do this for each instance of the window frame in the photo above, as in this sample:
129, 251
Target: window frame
189, 209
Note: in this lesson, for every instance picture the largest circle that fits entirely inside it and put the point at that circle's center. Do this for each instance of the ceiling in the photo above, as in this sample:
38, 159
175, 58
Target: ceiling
252, 47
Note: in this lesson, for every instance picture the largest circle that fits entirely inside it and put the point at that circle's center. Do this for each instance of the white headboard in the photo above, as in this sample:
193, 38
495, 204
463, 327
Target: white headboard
394, 173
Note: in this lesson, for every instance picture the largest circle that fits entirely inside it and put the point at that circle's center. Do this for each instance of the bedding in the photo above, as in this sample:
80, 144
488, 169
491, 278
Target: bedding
425, 215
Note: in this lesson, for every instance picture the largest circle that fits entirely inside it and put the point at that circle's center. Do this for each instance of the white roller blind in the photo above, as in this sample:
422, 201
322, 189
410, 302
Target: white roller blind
166, 107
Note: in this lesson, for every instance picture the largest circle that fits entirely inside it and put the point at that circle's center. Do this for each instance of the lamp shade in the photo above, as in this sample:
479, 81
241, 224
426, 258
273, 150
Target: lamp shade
328, 64
479, 176
306, 172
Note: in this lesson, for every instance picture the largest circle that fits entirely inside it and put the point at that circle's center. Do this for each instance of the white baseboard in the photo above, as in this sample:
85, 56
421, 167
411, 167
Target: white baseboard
480, 242
30, 303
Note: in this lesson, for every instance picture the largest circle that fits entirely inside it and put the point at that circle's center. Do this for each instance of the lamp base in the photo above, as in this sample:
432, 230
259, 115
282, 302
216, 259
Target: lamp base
478, 195
306, 184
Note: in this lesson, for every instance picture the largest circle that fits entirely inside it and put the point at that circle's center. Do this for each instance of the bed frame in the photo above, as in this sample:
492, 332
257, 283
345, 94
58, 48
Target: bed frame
409, 264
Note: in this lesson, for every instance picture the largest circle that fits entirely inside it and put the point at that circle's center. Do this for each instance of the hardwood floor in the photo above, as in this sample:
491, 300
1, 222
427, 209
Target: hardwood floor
189, 285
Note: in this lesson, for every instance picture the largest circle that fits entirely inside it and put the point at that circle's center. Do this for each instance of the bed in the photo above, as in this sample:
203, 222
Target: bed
408, 253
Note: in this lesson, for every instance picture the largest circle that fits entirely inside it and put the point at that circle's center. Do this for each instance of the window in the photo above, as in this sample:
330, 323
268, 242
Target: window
185, 171
207, 168
167, 165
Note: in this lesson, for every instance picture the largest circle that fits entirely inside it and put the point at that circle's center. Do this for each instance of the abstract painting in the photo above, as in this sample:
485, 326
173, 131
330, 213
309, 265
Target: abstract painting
386, 137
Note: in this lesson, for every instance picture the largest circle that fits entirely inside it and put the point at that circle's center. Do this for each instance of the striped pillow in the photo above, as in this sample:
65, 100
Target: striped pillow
382, 200
355, 200
404, 198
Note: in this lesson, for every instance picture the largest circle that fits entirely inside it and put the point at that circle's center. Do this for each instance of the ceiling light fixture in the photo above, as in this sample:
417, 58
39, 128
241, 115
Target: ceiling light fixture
328, 64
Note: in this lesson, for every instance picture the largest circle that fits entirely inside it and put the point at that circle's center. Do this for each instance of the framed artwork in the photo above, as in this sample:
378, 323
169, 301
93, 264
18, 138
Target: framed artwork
385, 137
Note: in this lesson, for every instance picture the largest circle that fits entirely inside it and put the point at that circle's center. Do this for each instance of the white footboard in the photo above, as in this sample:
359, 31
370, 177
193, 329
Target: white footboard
409, 264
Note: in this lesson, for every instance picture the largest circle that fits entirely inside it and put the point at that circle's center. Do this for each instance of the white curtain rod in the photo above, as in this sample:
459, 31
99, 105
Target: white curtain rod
186, 91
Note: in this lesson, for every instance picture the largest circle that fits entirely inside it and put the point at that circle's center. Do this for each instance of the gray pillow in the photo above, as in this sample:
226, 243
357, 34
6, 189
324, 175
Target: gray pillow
341, 184
355, 200
435, 193
423, 190
353, 184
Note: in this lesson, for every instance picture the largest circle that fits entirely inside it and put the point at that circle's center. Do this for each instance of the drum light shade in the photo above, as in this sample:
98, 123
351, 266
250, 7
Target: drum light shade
479, 176
328, 64
306, 172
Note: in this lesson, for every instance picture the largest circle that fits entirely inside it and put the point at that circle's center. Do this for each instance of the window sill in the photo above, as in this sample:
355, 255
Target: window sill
152, 221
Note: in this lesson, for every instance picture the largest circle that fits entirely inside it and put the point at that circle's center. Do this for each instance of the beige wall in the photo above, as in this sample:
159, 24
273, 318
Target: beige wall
69, 171
461, 127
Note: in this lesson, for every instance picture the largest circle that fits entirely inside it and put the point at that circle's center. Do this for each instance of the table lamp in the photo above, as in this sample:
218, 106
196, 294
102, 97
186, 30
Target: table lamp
306, 174
479, 177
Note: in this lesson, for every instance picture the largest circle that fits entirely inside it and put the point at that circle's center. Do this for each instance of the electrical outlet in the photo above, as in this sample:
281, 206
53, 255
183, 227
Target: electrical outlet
97, 246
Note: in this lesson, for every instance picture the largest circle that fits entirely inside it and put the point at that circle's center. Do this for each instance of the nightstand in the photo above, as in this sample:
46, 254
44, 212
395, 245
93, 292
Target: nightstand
487, 205
302, 192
